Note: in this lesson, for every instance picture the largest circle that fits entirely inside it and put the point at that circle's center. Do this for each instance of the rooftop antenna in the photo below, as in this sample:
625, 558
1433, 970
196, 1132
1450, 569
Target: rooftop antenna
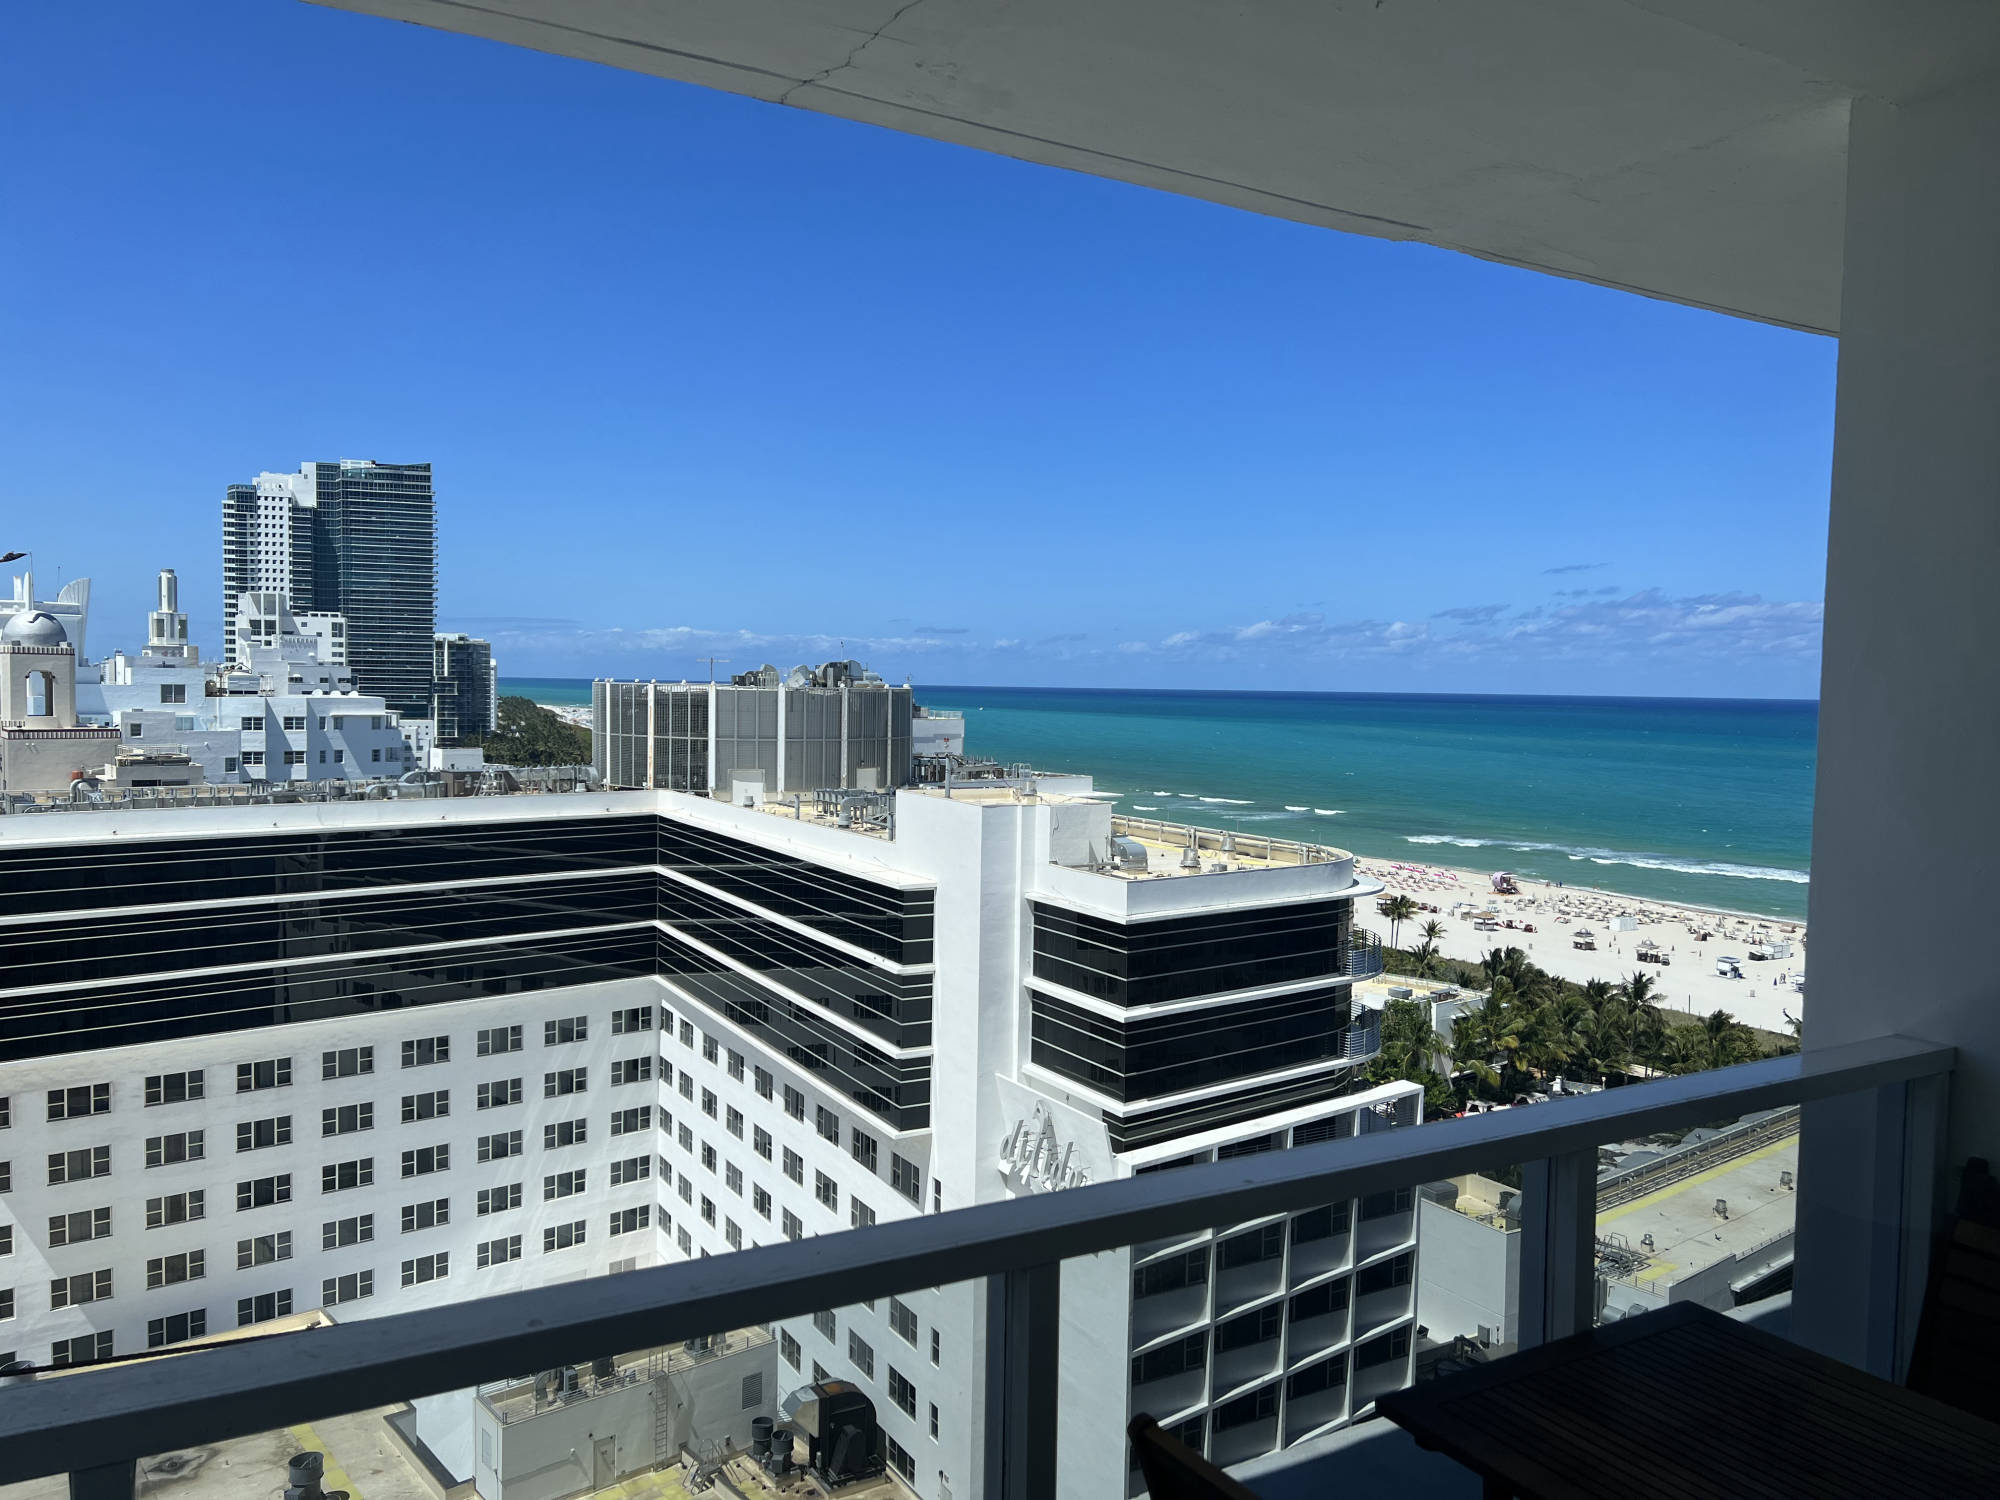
713, 662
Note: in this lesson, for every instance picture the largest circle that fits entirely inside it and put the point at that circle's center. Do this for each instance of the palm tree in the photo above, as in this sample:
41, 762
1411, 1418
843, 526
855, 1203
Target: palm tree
1426, 956
1432, 932
1398, 909
1639, 988
1729, 1040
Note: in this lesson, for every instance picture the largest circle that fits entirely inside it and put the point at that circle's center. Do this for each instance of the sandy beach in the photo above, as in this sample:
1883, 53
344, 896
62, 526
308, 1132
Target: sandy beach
1687, 982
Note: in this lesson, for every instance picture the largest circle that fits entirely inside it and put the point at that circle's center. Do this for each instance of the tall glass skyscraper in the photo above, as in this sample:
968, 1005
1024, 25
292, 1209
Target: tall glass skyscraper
355, 537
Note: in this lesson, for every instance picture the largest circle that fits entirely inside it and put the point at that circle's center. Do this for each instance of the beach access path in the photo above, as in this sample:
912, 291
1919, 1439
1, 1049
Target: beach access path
1688, 983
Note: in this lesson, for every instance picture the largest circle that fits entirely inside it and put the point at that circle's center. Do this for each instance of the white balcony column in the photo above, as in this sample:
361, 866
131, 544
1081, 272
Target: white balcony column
1906, 833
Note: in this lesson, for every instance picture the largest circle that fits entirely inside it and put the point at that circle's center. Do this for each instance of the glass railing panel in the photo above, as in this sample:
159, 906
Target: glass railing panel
1703, 1214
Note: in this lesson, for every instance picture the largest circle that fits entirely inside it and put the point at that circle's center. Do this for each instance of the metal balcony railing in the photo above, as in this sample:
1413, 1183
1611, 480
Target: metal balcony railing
1364, 954
123, 1413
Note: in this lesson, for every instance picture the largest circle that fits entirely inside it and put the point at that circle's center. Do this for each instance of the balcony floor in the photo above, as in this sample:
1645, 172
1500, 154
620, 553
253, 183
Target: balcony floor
1371, 1458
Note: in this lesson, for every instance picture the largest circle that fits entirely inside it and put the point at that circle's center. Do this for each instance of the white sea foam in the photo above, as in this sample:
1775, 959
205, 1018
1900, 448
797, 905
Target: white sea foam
1622, 857
1163, 794
1233, 801
1144, 807
1329, 812
1290, 808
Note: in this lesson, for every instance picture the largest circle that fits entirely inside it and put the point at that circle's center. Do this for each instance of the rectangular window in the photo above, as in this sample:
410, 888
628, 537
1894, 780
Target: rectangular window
80, 1350
906, 1178
686, 1138
74, 1291
827, 1123
861, 1146
736, 1065
426, 1215
627, 1121
423, 1051
261, 1135
760, 1201
424, 1160
500, 1093
859, 1214
763, 1080
936, 1340
339, 1176
625, 1022
294, 721
631, 1070
899, 1458
161, 1150
263, 1250
710, 1049
827, 1325
346, 1119
827, 1191
263, 1309
732, 1178
499, 1252
76, 1228
793, 1226
760, 1141
173, 1088
176, 1328
498, 1147
687, 1033
732, 1121
708, 1102
167, 1270
253, 757
347, 1062
902, 1321
795, 1103
562, 1236
176, 1208
686, 1086
86, 1099
631, 1169
789, 1348
568, 1029
708, 1211
262, 1192
499, 1039
295, 757
563, 1184
272, 1073
902, 1392
498, 1200
173, 692
427, 1268
564, 1133
349, 1288
861, 1353
795, 1166
934, 1422
630, 1220
79, 1165
426, 1106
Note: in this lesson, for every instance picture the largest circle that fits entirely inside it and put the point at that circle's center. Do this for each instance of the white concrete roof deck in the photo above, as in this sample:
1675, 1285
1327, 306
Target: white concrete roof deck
1694, 150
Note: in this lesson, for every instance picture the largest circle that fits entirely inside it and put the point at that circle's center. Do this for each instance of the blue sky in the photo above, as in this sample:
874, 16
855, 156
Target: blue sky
707, 375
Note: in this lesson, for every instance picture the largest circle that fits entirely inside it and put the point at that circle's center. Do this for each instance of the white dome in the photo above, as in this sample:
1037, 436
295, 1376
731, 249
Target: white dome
34, 627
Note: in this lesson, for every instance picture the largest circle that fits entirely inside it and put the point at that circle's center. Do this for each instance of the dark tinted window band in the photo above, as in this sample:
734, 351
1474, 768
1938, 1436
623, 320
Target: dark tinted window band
1229, 1109
164, 1009
1181, 958
84, 947
1162, 1055
166, 871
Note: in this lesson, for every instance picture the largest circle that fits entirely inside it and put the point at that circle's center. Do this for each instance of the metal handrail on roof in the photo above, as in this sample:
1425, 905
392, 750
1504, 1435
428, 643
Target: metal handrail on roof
123, 1413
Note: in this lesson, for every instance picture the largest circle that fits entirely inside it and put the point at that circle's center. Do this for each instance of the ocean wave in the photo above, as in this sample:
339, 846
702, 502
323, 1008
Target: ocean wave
1329, 812
1233, 801
1621, 857
1144, 807
1290, 808
1163, 794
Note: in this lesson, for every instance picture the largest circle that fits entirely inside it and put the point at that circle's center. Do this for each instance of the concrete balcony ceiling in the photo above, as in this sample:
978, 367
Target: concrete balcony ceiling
1688, 149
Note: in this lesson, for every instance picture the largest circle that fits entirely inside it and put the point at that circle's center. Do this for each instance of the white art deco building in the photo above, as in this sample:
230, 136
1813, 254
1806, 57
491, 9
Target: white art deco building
368, 1056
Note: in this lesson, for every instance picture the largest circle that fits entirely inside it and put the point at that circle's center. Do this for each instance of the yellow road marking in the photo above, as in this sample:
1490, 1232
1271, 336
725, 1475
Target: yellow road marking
336, 1477
1687, 1182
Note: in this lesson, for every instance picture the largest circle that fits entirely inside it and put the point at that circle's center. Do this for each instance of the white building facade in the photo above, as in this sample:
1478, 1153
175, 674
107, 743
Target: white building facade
368, 1056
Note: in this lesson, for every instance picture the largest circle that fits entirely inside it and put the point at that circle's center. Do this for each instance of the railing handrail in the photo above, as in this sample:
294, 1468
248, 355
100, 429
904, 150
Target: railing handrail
233, 1390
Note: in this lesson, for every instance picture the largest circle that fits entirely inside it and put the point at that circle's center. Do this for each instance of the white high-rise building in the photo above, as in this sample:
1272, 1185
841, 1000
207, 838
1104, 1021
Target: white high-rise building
267, 540
371, 1055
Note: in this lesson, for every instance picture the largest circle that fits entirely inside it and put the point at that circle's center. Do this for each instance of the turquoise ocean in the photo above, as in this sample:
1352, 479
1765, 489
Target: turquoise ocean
1695, 800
